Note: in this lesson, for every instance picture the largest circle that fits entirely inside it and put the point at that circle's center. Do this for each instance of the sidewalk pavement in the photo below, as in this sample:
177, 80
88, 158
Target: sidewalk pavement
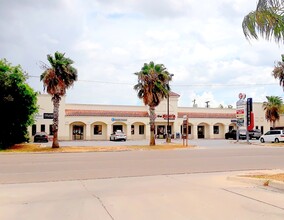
164, 197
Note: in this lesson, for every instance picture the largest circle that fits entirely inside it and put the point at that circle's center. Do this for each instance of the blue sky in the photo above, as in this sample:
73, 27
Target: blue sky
200, 42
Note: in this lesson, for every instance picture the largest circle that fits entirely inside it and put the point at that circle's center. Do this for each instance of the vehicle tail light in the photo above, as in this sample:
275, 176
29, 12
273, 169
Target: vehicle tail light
282, 136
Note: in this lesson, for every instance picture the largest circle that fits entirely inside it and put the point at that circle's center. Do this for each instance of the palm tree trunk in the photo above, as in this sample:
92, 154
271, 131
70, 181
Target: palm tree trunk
55, 100
152, 126
273, 124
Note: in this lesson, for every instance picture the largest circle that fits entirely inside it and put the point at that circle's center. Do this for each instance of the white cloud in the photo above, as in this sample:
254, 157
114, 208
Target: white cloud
109, 40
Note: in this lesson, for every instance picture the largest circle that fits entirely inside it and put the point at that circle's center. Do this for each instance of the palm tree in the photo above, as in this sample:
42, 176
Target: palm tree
56, 80
278, 71
272, 108
152, 88
267, 20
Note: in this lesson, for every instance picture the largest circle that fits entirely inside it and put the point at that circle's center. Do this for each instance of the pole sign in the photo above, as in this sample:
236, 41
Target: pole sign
249, 110
241, 110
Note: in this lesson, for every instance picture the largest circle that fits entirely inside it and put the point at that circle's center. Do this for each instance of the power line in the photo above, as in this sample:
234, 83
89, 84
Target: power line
181, 85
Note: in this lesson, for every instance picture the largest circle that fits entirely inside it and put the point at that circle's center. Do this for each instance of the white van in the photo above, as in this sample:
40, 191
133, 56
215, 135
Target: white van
272, 136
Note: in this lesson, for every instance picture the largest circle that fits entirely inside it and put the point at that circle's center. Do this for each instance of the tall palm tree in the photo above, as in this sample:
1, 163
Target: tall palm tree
267, 20
278, 71
56, 80
272, 108
152, 88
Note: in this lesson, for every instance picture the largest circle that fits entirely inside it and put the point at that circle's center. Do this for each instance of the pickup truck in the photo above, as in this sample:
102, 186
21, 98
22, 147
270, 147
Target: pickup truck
232, 134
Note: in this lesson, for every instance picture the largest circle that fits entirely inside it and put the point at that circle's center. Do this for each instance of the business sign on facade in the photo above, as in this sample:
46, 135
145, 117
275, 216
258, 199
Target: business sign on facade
171, 117
118, 119
47, 115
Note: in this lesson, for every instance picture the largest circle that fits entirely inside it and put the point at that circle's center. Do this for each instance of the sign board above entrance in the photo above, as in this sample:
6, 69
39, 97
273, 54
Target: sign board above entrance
48, 115
118, 119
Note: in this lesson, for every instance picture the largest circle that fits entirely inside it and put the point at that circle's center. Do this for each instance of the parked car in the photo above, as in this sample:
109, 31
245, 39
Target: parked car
41, 137
232, 134
272, 136
117, 135
255, 134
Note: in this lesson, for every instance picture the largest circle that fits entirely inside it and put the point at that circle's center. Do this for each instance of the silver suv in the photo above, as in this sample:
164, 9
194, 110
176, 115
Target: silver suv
272, 136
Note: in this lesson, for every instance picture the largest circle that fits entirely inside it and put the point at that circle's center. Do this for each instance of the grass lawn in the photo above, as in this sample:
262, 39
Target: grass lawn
278, 176
31, 147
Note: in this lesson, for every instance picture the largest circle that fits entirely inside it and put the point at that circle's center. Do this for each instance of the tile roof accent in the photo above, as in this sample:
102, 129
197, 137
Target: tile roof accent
206, 115
174, 94
107, 113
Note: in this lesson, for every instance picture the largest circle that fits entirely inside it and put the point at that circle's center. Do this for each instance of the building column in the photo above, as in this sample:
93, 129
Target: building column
211, 131
109, 130
147, 131
194, 132
176, 128
88, 131
128, 134
226, 127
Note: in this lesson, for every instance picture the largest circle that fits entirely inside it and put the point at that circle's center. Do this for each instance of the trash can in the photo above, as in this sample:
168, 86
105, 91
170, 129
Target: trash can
178, 135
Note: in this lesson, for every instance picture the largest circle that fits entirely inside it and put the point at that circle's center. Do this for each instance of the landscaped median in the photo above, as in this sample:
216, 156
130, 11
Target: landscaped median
269, 178
24, 148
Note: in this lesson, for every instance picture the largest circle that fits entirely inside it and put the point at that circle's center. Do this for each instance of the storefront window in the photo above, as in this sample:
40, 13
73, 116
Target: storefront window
141, 129
97, 130
216, 129
51, 129
132, 129
33, 129
42, 128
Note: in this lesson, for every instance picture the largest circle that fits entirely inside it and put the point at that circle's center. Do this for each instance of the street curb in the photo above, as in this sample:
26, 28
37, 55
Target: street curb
259, 182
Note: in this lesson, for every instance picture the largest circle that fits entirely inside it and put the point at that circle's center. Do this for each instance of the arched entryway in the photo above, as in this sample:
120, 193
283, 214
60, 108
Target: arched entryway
219, 130
203, 131
138, 131
119, 126
78, 131
98, 131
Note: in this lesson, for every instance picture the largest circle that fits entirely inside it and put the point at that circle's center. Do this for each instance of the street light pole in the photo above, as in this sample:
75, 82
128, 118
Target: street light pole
168, 113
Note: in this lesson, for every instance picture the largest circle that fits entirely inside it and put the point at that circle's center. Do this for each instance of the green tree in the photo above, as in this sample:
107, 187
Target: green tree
56, 80
267, 21
152, 88
18, 104
272, 108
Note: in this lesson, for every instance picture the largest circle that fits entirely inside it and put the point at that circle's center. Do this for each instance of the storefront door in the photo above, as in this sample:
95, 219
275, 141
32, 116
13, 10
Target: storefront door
200, 130
161, 131
78, 132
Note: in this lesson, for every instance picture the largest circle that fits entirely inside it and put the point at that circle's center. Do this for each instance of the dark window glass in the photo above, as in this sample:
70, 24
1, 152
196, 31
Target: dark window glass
189, 129
33, 129
97, 130
51, 129
132, 129
141, 129
42, 128
216, 129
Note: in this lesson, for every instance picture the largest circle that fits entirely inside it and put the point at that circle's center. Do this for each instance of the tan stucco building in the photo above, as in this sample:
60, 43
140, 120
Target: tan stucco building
97, 122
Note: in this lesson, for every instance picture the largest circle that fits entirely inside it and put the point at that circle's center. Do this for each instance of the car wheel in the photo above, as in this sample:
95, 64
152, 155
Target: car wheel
261, 140
276, 140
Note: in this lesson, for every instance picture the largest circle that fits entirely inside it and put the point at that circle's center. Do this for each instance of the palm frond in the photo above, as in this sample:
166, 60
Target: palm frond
267, 21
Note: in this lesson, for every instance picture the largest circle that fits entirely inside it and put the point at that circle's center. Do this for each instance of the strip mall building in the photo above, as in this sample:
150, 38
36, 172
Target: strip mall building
97, 122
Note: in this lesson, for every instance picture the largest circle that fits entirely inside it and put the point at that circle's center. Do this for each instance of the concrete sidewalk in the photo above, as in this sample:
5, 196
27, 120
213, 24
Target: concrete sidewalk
172, 197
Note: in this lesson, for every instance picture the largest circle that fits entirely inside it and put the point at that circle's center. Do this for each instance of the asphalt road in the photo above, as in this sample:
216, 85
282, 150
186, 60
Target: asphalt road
211, 156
